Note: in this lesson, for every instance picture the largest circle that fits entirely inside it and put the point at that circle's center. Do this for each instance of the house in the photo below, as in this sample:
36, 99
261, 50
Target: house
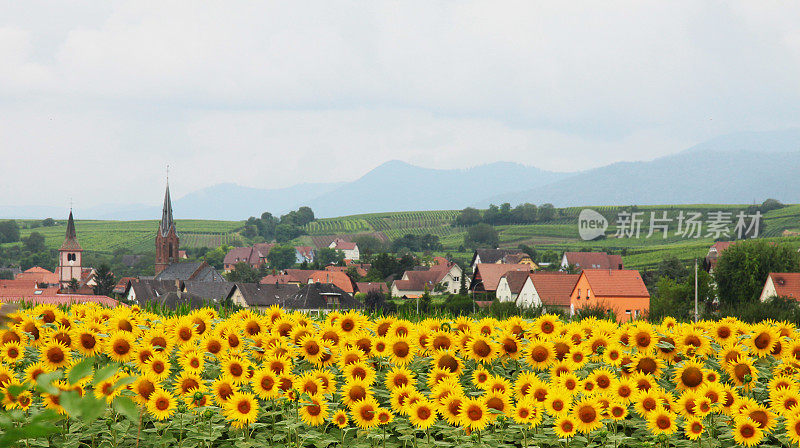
38, 275
781, 284
190, 270
144, 292
349, 248
414, 283
501, 256
714, 252
279, 279
261, 296
122, 285
238, 255
358, 267
340, 279
486, 276
304, 254
318, 299
550, 289
63, 299
591, 260
212, 292
510, 285
367, 287
618, 290
298, 276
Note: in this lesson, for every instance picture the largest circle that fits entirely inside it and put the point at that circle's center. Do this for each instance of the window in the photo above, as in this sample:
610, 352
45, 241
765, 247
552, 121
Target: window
71, 257
627, 311
579, 293
588, 293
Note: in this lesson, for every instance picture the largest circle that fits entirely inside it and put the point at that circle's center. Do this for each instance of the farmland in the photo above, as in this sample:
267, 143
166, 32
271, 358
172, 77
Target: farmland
559, 234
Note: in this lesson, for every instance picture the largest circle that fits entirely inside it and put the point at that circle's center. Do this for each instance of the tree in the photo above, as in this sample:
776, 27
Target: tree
73, 285
492, 215
216, 257
771, 204
327, 256
524, 214
104, 279
9, 231
375, 301
369, 245
48, 222
481, 235
286, 232
34, 242
352, 272
468, 217
672, 268
244, 273
304, 216
547, 212
743, 268
528, 250
282, 256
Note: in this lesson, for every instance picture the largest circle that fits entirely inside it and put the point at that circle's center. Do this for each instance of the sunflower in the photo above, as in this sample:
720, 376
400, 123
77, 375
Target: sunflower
361, 371
742, 372
546, 325
157, 367
422, 414
784, 402
450, 408
539, 354
355, 390
385, 416
241, 409
397, 377
447, 360
223, 388
565, 426
569, 381
499, 403
746, 432
480, 376
161, 404
191, 360
237, 368
187, 383
603, 378
143, 389
441, 340
121, 347
11, 352
693, 342
340, 419
646, 401
617, 411
527, 412
558, 401
265, 384
327, 380
311, 348
474, 414
647, 363
54, 355
661, 422
689, 375
365, 413
314, 411
793, 428
307, 383
762, 340
641, 337
481, 348
213, 344
587, 415
86, 341
278, 364
401, 349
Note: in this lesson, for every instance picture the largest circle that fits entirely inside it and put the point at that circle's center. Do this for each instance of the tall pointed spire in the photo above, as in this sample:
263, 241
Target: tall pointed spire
71, 239
166, 215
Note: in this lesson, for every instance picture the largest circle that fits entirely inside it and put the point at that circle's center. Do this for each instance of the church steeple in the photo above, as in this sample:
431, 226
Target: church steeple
69, 256
166, 237
71, 239
166, 215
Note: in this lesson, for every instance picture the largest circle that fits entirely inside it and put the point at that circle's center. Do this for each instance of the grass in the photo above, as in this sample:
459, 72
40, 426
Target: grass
557, 235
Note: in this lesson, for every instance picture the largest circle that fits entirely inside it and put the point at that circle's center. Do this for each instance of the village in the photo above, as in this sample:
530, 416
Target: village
579, 281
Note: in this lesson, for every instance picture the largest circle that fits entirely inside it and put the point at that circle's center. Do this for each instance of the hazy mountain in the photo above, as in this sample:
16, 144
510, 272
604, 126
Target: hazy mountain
736, 168
691, 177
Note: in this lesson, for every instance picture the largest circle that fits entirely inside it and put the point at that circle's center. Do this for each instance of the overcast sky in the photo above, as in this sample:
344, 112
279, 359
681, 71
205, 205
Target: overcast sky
97, 97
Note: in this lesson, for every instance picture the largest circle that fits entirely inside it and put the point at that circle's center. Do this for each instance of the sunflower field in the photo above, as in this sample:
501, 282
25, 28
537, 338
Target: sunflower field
124, 377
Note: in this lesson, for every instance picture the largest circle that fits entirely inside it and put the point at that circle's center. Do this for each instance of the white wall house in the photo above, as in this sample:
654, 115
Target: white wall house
527, 297
452, 279
349, 249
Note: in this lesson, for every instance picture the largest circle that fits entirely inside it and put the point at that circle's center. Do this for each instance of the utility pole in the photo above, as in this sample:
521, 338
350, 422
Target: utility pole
695, 291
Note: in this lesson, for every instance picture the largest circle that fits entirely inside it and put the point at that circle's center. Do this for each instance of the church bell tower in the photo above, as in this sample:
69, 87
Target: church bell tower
69, 256
167, 237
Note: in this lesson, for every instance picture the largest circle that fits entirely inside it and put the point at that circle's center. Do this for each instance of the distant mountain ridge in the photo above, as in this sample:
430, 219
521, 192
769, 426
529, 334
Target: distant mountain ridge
730, 169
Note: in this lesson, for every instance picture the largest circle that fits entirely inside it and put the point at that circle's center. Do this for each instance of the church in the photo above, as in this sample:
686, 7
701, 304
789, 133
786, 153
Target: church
168, 264
72, 276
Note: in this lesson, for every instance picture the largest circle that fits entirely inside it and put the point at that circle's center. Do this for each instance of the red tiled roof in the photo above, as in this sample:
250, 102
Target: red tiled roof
360, 269
787, 284
341, 244
39, 275
299, 275
340, 279
593, 260
365, 287
419, 280
277, 279
554, 288
615, 283
490, 273
122, 284
306, 251
241, 254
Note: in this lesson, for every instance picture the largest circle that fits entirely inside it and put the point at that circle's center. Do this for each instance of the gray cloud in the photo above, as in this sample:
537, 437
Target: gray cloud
270, 94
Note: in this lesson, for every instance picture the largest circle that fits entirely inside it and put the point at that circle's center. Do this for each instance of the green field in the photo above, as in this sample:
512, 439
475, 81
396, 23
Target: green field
557, 235
137, 236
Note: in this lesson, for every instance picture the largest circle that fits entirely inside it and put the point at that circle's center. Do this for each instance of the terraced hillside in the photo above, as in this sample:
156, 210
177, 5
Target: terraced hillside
137, 236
